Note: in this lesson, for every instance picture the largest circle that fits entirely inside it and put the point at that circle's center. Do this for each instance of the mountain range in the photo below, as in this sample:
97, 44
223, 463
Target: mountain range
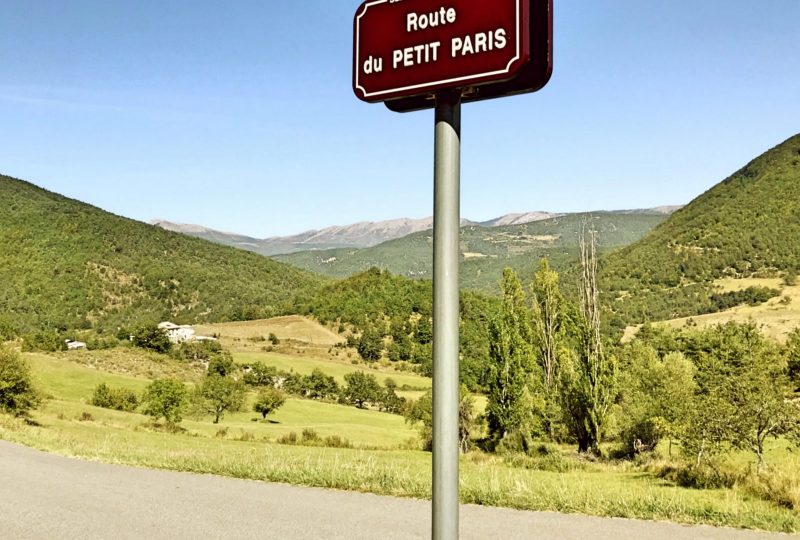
360, 235
67, 265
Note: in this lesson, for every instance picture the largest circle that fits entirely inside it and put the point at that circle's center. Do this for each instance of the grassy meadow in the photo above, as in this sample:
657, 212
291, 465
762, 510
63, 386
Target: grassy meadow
383, 457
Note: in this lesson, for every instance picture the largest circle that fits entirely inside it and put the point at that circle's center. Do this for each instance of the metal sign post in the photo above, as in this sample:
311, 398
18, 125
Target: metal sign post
417, 54
446, 388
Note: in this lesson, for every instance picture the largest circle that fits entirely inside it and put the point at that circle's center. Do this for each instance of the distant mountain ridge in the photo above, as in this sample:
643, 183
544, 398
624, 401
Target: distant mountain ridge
485, 251
360, 235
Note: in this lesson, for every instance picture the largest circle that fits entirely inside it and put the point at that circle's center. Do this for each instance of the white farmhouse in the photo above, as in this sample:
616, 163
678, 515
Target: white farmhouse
176, 333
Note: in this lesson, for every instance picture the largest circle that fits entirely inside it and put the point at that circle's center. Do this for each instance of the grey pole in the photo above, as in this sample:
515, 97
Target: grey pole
446, 394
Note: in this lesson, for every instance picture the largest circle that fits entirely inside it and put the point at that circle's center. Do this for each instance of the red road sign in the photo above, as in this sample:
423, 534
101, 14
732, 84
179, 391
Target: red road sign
407, 50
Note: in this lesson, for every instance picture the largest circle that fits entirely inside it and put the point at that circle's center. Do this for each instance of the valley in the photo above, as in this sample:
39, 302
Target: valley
315, 367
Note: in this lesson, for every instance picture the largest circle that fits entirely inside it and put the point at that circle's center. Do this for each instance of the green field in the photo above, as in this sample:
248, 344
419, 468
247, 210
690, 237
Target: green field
71, 387
380, 462
338, 370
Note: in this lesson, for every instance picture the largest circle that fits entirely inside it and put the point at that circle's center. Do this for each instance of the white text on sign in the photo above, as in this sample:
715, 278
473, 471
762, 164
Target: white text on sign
425, 53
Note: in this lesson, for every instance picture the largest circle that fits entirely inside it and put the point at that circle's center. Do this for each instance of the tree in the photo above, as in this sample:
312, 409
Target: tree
17, 393
268, 400
743, 384
389, 400
590, 383
421, 412
318, 385
150, 336
370, 344
792, 352
260, 374
221, 364
165, 398
547, 320
424, 330
218, 394
656, 396
511, 362
360, 389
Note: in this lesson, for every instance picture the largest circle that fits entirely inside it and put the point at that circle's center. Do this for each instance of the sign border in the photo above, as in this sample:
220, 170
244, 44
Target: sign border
534, 75
374, 97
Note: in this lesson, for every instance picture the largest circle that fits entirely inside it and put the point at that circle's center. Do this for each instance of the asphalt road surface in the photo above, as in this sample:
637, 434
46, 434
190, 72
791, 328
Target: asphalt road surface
50, 497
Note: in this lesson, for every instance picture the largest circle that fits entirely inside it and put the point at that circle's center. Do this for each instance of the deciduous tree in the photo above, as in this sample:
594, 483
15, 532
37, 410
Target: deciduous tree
165, 398
268, 400
591, 381
361, 389
512, 362
217, 395
17, 393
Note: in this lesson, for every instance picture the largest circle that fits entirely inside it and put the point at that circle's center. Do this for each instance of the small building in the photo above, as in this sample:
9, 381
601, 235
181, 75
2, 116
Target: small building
176, 333
74, 345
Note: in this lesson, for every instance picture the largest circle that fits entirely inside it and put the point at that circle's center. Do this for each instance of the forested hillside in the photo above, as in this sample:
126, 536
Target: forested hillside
392, 315
747, 225
65, 265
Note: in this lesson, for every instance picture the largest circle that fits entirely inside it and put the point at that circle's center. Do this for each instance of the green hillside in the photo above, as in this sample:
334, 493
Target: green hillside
397, 312
748, 225
485, 251
65, 264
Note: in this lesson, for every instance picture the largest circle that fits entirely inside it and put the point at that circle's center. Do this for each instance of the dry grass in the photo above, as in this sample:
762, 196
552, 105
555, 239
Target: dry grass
777, 317
295, 328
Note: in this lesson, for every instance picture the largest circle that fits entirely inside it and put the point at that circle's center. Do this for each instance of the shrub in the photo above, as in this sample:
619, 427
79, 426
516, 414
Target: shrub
17, 393
309, 435
544, 458
49, 341
782, 488
289, 438
335, 441
118, 399
751, 295
703, 476
197, 351
246, 436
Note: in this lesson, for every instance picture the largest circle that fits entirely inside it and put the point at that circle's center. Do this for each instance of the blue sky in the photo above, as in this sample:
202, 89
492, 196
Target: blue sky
240, 115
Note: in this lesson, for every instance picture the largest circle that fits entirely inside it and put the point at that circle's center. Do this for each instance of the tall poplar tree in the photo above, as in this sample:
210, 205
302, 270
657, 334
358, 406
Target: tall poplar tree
549, 322
512, 362
591, 382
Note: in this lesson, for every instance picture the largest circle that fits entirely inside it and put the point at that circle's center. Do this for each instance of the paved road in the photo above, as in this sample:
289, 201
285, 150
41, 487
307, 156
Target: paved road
50, 497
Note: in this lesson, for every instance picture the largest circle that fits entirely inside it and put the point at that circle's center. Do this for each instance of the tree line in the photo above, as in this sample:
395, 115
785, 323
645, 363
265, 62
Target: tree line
554, 375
